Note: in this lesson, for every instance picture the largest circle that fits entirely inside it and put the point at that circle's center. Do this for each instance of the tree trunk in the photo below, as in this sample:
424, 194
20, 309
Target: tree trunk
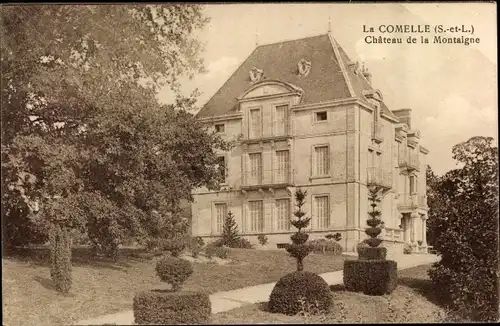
300, 265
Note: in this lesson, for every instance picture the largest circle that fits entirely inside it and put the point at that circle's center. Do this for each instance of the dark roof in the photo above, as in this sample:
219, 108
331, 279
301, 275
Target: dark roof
325, 81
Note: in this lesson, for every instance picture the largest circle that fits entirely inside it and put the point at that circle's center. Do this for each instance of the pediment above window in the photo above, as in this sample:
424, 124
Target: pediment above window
270, 88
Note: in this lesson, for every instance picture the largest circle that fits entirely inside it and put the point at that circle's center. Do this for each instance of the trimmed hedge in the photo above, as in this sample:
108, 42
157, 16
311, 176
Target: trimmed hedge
173, 270
370, 253
300, 285
372, 277
171, 308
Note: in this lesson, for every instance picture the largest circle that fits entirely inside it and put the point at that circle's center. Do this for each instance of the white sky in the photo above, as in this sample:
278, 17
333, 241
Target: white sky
452, 89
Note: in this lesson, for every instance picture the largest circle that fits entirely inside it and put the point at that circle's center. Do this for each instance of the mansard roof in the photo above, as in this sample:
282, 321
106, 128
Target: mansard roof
330, 76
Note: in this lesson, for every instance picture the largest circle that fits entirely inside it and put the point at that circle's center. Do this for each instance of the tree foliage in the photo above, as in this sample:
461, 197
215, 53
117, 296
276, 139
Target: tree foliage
298, 249
85, 144
230, 232
463, 221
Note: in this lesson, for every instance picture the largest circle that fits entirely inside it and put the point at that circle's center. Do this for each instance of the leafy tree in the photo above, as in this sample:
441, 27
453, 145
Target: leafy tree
85, 143
230, 232
464, 222
298, 249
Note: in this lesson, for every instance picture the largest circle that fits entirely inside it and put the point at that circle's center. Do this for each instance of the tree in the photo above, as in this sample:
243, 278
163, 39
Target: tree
464, 219
298, 249
230, 232
85, 144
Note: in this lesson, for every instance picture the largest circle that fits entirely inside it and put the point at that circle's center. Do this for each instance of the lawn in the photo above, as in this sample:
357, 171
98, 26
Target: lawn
411, 302
102, 287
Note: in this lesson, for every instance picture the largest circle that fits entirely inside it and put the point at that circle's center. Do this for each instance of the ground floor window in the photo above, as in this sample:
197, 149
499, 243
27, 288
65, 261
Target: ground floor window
283, 214
220, 215
256, 216
322, 211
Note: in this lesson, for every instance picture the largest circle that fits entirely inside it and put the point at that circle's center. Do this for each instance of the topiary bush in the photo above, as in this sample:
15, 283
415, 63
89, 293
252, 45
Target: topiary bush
167, 307
372, 277
297, 249
300, 287
369, 253
171, 308
324, 245
60, 268
371, 274
174, 271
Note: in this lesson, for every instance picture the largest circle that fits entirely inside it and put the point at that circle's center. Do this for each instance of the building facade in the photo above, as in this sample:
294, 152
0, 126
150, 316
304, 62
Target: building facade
302, 114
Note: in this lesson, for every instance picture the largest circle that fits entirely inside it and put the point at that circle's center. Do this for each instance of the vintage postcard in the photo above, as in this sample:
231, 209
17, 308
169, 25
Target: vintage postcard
235, 163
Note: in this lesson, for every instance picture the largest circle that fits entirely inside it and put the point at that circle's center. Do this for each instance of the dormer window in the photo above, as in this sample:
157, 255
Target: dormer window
219, 128
320, 116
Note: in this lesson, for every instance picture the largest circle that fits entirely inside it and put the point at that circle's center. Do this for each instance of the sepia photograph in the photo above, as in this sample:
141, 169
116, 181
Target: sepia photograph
249, 163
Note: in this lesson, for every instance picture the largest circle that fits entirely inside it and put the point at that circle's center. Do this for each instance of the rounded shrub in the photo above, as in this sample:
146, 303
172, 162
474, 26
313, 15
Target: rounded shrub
325, 245
291, 289
171, 308
173, 271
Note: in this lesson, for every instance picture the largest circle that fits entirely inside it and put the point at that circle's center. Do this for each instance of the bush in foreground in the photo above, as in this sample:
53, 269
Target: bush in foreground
297, 288
173, 271
173, 307
372, 277
463, 222
170, 308
371, 274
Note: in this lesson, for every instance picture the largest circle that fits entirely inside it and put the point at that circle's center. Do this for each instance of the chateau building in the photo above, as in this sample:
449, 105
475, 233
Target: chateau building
304, 115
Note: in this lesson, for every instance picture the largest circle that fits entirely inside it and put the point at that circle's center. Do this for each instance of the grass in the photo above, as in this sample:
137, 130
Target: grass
411, 302
103, 287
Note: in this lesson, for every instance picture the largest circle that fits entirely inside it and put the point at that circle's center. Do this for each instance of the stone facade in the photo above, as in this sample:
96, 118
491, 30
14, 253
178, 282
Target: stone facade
335, 149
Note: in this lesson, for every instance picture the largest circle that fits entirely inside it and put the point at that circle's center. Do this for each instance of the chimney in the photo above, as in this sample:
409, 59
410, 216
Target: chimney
404, 116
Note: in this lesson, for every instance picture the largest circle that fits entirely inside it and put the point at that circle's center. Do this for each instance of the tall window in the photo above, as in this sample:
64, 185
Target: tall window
322, 211
256, 216
282, 159
221, 164
255, 123
281, 120
220, 215
283, 214
322, 160
255, 173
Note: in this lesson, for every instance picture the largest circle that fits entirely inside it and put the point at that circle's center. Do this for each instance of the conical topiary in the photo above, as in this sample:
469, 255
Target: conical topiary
300, 286
371, 273
298, 249
374, 223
